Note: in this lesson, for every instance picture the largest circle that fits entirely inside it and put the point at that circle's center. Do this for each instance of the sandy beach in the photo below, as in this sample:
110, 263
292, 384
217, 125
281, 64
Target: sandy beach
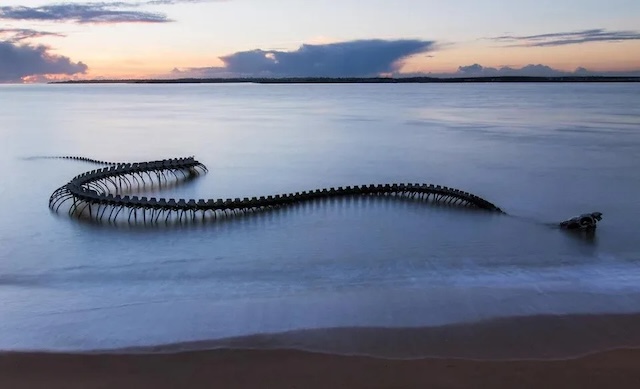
589, 351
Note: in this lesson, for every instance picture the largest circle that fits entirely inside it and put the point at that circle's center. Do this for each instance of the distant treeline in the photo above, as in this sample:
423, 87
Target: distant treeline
355, 80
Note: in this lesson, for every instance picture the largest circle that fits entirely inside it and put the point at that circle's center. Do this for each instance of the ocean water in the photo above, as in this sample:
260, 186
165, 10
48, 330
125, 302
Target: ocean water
542, 152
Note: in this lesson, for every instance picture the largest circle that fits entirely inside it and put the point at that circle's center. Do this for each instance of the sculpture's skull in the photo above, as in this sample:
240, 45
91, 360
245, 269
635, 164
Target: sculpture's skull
586, 221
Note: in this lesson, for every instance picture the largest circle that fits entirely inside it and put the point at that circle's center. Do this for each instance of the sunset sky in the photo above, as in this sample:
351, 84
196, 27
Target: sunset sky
42, 40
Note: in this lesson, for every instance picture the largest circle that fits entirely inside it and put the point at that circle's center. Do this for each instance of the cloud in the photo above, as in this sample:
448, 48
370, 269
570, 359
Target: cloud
101, 12
344, 59
538, 70
568, 38
18, 62
18, 34
532, 70
82, 13
360, 58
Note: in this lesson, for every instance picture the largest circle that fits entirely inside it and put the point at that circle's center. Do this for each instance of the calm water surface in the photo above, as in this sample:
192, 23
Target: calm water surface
541, 152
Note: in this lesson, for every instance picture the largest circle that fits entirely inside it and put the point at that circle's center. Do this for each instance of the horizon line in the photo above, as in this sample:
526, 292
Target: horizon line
372, 79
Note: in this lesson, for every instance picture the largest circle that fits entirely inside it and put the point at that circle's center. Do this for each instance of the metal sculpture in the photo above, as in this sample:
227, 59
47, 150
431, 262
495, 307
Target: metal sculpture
105, 195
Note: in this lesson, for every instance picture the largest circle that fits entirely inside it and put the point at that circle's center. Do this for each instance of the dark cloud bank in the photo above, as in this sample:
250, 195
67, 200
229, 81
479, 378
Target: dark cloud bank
361, 58
346, 59
19, 61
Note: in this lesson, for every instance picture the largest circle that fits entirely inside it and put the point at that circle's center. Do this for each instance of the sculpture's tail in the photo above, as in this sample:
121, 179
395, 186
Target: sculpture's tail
72, 157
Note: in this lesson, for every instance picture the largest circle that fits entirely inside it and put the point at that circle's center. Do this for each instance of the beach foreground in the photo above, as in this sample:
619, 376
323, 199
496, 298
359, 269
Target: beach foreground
299, 369
505, 353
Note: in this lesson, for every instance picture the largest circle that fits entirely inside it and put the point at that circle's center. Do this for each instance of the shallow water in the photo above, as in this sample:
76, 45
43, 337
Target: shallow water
542, 152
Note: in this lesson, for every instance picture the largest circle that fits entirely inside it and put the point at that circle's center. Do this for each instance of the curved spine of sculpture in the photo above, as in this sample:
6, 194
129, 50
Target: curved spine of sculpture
102, 194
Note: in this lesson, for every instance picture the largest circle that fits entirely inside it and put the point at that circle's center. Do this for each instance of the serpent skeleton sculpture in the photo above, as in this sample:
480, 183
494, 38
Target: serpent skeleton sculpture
100, 195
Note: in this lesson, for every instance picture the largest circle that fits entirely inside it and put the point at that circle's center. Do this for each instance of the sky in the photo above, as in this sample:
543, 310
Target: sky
51, 40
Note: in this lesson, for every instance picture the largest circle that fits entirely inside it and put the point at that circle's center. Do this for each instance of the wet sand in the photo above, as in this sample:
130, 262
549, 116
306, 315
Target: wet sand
541, 351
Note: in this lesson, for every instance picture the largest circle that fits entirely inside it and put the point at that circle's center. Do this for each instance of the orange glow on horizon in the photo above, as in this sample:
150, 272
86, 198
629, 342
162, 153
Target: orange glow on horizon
148, 63
624, 56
